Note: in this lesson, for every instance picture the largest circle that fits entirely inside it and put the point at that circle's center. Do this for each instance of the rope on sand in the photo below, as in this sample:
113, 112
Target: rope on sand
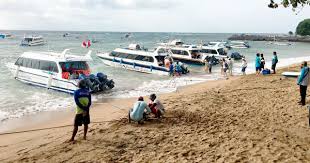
47, 128
57, 127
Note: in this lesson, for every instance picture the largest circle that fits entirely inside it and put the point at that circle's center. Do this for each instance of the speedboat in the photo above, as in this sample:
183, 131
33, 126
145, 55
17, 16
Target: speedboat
137, 59
214, 49
57, 71
239, 45
32, 41
5, 35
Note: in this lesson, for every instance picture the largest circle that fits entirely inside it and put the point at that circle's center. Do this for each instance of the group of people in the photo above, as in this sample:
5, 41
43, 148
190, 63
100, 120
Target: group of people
139, 113
175, 68
260, 63
141, 110
226, 66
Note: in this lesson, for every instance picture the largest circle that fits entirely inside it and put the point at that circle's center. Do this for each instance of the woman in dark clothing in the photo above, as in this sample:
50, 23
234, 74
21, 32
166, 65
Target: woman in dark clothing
262, 62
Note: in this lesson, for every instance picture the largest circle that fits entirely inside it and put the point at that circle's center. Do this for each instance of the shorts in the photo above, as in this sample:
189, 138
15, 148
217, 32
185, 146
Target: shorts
258, 69
80, 119
273, 67
243, 69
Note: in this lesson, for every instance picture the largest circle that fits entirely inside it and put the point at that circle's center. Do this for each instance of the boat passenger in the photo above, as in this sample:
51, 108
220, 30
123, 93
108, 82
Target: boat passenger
244, 65
230, 66
225, 67
178, 68
156, 106
82, 98
207, 64
167, 62
257, 64
210, 65
139, 111
74, 75
171, 69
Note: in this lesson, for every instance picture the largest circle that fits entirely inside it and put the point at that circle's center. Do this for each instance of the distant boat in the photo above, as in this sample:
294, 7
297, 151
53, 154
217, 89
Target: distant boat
66, 35
32, 41
94, 40
239, 45
279, 43
5, 35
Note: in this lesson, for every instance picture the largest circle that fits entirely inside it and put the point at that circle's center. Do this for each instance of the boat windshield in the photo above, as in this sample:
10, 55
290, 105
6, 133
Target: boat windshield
74, 68
195, 54
28, 39
221, 51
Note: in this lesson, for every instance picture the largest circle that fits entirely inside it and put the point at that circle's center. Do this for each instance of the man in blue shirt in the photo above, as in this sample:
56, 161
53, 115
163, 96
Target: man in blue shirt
139, 111
82, 98
303, 81
274, 62
257, 64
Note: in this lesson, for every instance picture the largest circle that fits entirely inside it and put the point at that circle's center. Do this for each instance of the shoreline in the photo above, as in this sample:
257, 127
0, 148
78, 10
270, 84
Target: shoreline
106, 110
224, 120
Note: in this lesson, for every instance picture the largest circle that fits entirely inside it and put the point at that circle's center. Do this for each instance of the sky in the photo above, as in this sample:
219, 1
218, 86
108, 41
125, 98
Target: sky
197, 16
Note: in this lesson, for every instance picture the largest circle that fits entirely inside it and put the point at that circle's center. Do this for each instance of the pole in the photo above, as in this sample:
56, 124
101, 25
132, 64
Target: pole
309, 114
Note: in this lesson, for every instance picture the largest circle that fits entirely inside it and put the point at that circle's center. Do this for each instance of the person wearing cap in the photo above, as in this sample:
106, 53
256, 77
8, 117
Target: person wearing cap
156, 106
139, 111
244, 66
82, 98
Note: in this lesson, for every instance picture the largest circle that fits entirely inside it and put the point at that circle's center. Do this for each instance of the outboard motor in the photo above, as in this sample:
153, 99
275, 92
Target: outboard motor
214, 60
236, 56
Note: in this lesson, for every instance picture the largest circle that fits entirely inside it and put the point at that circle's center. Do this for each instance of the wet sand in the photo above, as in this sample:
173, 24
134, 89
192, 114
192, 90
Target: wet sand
243, 119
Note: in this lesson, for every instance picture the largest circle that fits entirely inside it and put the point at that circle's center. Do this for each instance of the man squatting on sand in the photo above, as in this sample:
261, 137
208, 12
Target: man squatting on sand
303, 82
141, 110
82, 99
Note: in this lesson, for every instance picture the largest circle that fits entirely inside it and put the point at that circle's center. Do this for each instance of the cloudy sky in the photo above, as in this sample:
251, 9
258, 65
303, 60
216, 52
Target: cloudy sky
149, 15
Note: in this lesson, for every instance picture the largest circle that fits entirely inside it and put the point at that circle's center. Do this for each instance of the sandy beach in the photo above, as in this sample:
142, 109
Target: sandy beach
243, 119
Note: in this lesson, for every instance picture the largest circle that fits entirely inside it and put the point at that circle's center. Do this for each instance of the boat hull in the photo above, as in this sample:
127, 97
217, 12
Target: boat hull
113, 62
43, 79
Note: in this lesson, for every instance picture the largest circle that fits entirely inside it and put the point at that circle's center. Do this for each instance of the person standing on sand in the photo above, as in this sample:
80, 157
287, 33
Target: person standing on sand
303, 82
244, 66
262, 61
257, 64
139, 111
156, 106
274, 62
82, 98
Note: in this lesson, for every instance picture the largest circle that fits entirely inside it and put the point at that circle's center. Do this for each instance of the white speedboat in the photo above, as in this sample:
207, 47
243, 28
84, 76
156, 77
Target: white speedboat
214, 49
239, 45
5, 35
282, 43
56, 71
136, 59
32, 41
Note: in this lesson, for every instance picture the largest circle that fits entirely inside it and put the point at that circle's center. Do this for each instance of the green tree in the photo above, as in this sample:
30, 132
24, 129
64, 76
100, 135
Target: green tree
288, 3
291, 33
303, 28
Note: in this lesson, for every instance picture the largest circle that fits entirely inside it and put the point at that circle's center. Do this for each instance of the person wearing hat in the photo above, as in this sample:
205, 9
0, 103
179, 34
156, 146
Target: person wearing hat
156, 106
139, 111
82, 98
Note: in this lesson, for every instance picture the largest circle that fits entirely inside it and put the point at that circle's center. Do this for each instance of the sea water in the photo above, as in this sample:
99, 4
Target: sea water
18, 99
